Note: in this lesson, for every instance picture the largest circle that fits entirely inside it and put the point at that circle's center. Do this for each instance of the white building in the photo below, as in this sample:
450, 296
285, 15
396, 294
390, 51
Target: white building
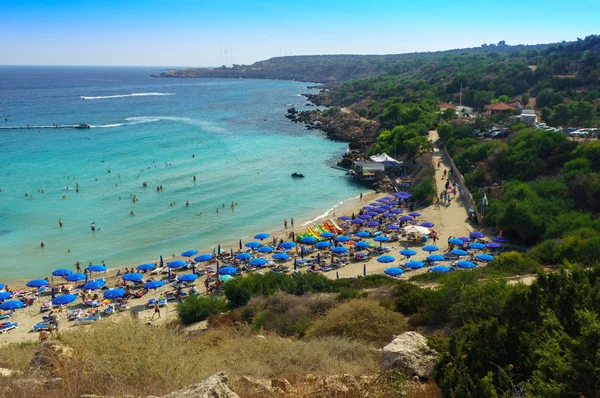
528, 116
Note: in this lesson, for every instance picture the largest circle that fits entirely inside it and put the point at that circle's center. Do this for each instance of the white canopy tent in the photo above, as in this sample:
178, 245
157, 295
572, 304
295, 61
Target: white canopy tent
383, 158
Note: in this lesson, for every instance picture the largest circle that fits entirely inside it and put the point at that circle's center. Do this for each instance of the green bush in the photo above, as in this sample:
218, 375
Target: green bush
424, 191
512, 263
195, 308
408, 297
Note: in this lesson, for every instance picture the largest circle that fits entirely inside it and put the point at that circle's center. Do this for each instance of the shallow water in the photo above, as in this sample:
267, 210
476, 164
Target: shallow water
230, 134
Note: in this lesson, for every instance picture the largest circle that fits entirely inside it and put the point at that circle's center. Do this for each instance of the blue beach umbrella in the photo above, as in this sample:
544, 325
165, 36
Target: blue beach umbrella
393, 202
145, 267
342, 238
440, 269
261, 236
372, 213
203, 258
64, 299
288, 245
344, 218
393, 227
385, 207
114, 293
406, 218
243, 256
500, 239
94, 285
476, 246
96, 268
322, 245
455, 241
309, 240
265, 249
339, 250
381, 210
12, 305
465, 264
154, 285
189, 253
281, 257
177, 264
363, 234
484, 257
382, 200
431, 248
38, 283
427, 224
414, 264
381, 239
414, 214
492, 245
75, 277
5, 295
408, 252
365, 217
228, 271
397, 211
252, 245
2, 285
257, 262
435, 257
476, 235
393, 271
464, 239
372, 224
225, 278
362, 245
187, 278
357, 221
388, 214
62, 272
385, 259
368, 208
133, 277
327, 235
458, 252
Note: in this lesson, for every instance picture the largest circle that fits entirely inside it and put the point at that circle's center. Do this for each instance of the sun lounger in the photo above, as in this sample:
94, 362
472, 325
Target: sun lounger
151, 302
46, 306
42, 326
162, 303
74, 315
5, 316
157, 271
88, 319
123, 306
326, 269
92, 303
7, 326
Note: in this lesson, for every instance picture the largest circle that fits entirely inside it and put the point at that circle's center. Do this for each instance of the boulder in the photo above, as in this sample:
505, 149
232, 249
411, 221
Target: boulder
410, 353
281, 383
256, 387
213, 387
49, 354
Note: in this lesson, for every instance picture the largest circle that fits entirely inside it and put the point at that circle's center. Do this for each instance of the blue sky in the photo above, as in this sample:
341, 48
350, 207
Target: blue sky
196, 32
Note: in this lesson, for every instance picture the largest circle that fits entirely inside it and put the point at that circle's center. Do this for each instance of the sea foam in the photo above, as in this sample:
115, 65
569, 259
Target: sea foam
124, 95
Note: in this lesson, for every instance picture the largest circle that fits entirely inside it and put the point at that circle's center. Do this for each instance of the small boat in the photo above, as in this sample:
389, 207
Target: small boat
82, 126
297, 175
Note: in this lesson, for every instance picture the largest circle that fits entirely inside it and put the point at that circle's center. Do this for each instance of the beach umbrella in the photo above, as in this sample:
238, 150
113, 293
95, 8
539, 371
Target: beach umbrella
431, 248
397, 211
368, 208
406, 218
187, 278
357, 221
240, 244
2, 285
363, 234
414, 214
189, 253
385, 259
243, 256
476, 246
62, 272
381, 239
114, 293
372, 213
96, 268
154, 285
252, 245
94, 285
416, 229
145, 267
161, 262
225, 278
458, 252
500, 239
464, 239
339, 250
228, 271
380, 210
365, 217
361, 245
12, 305
414, 264
387, 214
281, 257
322, 245
133, 277
75, 277
393, 271
203, 258
257, 262
37, 283
393, 203
492, 245
465, 264
455, 241
309, 240
393, 227
64, 299
382, 200
344, 218
265, 249
261, 236
476, 235
5, 295
484, 257
408, 252
288, 245
342, 238
177, 264
372, 224
435, 257
327, 235
427, 224
440, 269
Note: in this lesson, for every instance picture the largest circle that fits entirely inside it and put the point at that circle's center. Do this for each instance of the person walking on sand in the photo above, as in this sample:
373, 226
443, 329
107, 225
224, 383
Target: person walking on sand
361, 196
156, 310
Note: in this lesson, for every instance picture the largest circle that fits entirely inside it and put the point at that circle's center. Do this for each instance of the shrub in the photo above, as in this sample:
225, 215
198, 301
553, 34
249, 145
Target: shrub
362, 320
368, 282
424, 191
195, 308
408, 298
512, 263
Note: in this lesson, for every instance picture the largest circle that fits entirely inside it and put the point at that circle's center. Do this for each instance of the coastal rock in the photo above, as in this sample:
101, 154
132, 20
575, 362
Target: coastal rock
213, 387
410, 353
281, 383
256, 387
337, 386
49, 355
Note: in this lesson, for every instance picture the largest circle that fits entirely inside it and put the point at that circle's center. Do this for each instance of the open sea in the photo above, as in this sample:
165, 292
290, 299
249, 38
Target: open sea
230, 134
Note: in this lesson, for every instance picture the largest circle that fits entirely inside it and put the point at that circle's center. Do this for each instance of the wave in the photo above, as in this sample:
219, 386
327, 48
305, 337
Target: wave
125, 95
327, 213
132, 121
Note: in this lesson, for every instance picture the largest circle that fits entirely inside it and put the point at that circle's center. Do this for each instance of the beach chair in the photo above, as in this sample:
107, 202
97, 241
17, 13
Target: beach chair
8, 326
123, 306
162, 303
47, 306
151, 302
42, 326
74, 315
326, 269
156, 270
5, 316
92, 303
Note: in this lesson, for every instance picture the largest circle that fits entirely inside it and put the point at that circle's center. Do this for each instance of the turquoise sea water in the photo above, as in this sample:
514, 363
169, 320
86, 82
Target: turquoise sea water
230, 134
